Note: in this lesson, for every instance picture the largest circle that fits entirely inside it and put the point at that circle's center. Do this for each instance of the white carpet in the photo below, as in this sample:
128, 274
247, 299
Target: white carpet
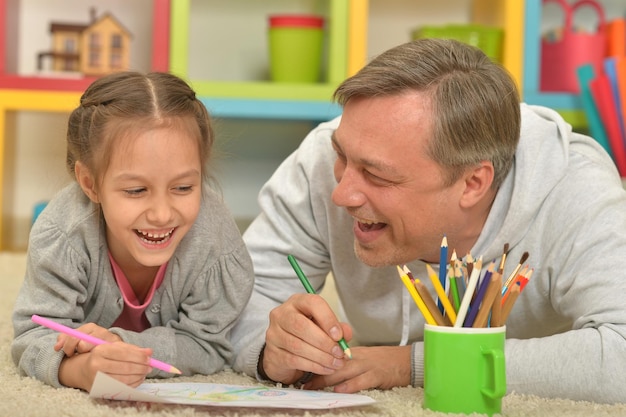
26, 397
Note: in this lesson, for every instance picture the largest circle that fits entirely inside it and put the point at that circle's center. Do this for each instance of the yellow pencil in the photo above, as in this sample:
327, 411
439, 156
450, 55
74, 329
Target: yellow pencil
420, 303
441, 293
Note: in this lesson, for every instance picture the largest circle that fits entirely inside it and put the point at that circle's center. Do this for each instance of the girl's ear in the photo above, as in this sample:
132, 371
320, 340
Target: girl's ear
86, 181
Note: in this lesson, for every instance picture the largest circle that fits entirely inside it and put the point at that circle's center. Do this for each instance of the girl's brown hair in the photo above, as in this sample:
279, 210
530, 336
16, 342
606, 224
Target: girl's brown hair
123, 104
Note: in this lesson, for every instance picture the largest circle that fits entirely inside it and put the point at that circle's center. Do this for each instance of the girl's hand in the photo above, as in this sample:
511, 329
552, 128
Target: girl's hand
71, 345
125, 362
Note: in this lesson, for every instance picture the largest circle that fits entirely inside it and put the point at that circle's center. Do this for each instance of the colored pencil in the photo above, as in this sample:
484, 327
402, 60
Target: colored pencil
489, 301
478, 300
469, 291
443, 263
94, 340
460, 281
469, 266
496, 310
441, 293
418, 300
309, 289
508, 306
454, 287
430, 303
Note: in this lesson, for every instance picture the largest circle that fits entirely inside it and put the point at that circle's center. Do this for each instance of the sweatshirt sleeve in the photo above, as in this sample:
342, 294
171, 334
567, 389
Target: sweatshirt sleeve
55, 285
293, 208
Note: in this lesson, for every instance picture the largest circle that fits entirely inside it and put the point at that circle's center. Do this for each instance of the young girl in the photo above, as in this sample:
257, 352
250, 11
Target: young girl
138, 251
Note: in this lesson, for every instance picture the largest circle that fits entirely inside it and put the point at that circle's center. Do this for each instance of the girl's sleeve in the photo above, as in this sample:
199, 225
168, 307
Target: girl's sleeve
55, 285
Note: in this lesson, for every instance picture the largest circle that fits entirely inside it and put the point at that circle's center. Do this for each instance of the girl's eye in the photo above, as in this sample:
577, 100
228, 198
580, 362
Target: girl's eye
183, 188
134, 191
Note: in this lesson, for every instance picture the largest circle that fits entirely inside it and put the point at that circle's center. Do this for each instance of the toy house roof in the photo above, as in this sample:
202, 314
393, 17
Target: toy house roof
72, 27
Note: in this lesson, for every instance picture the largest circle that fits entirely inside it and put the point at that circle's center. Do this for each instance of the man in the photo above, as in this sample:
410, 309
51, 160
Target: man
433, 142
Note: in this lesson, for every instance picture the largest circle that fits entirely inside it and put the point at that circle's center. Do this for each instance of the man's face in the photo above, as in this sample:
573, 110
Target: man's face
388, 184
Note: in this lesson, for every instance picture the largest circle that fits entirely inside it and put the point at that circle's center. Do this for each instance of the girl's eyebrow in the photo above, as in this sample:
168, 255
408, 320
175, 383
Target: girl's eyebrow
131, 176
380, 166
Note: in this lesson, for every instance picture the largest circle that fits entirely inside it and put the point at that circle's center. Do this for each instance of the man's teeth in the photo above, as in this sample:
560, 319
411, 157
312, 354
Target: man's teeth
368, 222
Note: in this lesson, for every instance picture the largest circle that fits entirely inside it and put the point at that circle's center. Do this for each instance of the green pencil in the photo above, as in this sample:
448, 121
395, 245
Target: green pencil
310, 290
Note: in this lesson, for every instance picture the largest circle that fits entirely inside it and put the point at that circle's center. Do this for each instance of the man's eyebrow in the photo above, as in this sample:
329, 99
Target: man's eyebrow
377, 165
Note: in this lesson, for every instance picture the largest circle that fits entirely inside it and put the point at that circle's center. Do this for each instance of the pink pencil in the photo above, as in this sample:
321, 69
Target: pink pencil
94, 340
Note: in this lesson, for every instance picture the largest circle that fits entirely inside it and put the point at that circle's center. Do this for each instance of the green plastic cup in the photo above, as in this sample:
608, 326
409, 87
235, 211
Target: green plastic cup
295, 46
464, 369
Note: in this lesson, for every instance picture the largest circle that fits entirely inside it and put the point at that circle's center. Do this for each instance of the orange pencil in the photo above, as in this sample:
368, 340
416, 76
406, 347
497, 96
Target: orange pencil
508, 305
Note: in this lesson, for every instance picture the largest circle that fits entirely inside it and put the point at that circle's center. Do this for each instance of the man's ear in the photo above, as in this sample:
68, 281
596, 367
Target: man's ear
86, 181
478, 183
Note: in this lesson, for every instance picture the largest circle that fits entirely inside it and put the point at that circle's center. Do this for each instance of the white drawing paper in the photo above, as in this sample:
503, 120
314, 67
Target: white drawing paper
223, 395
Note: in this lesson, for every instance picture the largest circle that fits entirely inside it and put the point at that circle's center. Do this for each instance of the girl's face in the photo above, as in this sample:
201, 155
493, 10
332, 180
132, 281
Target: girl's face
150, 195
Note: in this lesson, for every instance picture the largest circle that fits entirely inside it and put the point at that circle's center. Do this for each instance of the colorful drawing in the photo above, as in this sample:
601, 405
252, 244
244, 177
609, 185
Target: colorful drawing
223, 395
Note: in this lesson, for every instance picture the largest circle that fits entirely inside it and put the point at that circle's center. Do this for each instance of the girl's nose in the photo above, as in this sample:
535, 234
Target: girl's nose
160, 211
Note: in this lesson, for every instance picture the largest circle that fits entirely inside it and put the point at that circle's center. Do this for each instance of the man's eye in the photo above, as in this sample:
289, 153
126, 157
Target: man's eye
378, 180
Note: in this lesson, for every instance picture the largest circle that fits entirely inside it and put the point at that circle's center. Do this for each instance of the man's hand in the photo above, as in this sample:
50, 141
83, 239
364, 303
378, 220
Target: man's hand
302, 337
382, 367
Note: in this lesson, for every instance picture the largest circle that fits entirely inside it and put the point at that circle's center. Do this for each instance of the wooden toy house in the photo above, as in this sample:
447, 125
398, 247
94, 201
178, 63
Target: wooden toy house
94, 49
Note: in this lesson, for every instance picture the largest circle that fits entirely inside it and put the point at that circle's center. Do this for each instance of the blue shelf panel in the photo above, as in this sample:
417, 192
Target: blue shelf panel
235, 108
555, 101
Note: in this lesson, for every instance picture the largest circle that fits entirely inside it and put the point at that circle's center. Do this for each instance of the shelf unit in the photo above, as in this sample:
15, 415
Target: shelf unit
347, 51
569, 105
51, 94
260, 98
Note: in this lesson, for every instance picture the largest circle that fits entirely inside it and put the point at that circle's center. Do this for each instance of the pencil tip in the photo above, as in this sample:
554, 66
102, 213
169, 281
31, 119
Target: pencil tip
348, 353
175, 370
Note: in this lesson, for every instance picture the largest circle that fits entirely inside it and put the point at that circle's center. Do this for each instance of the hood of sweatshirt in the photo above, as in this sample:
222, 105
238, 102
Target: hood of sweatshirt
541, 162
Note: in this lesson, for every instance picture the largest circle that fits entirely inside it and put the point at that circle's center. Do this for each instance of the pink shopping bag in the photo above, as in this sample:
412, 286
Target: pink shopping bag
561, 57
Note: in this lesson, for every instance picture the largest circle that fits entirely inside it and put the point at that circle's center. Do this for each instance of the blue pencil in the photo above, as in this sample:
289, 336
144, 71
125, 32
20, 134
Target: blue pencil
443, 263
480, 294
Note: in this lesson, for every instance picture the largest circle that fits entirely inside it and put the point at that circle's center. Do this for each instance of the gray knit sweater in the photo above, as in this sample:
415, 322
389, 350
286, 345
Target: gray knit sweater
68, 278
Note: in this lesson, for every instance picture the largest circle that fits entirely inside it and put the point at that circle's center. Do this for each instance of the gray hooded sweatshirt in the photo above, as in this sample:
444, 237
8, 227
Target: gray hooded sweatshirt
563, 202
